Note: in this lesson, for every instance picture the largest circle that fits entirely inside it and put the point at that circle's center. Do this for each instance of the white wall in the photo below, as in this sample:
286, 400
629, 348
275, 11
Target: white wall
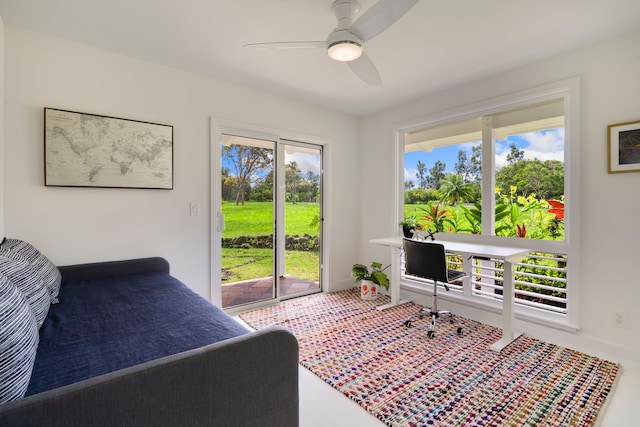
610, 93
73, 225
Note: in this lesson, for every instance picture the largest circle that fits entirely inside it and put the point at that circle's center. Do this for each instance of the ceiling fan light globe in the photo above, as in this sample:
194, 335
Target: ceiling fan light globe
344, 51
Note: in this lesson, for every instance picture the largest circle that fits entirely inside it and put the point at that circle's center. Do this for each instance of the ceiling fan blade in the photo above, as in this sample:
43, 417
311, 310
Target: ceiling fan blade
380, 17
364, 68
287, 45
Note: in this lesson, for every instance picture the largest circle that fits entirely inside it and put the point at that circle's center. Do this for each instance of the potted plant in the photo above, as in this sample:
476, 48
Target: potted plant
409, 223
370, 280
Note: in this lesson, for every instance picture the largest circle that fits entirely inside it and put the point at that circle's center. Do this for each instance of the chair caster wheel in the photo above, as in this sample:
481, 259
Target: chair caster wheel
431, 334
407, 323
459, 331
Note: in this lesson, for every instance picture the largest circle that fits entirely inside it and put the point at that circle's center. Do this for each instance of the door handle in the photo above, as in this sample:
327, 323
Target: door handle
220, 222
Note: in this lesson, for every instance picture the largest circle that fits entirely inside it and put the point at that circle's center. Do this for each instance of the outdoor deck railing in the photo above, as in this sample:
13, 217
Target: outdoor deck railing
540, 280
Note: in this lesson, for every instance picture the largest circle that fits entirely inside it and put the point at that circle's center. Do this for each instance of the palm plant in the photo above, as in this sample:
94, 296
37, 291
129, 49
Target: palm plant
454, 189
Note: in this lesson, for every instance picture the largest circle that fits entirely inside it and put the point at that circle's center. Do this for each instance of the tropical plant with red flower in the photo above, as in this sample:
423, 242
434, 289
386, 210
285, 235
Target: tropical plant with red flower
434, 216
556, 225
557, 208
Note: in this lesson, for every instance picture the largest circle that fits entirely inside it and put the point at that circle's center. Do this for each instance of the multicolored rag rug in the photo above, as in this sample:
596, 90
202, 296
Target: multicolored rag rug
407, 379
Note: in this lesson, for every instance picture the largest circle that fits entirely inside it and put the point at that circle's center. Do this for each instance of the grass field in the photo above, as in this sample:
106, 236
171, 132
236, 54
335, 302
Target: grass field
256, 219
245, 264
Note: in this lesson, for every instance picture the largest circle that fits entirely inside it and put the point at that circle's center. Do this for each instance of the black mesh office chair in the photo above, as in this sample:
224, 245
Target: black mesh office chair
428, 260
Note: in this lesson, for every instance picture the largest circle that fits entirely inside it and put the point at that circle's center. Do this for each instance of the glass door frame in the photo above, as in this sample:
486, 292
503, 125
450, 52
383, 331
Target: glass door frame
280, 212
217, 219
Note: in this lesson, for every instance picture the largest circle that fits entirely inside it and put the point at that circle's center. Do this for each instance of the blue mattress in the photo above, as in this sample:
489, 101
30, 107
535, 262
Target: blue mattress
104, 325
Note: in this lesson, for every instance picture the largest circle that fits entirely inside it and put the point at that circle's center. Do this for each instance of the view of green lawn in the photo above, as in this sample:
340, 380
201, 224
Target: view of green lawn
256, 219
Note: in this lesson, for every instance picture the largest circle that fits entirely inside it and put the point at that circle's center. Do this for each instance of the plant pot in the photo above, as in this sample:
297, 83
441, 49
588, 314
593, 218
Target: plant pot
368, 290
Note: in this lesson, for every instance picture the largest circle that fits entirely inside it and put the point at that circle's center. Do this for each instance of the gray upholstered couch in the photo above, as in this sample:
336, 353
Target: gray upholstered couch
129, 345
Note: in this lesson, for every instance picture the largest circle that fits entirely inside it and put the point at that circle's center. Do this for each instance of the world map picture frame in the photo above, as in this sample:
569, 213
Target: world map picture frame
624, 147
91, 150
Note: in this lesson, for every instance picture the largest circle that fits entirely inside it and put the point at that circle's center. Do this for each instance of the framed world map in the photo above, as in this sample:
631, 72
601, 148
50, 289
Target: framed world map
88, 150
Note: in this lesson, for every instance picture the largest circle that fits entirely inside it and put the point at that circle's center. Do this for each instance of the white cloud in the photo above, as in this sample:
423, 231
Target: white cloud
305, 161
410, 175
544, 145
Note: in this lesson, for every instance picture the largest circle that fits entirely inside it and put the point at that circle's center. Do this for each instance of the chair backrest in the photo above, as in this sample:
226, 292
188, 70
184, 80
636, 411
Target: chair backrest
425, 259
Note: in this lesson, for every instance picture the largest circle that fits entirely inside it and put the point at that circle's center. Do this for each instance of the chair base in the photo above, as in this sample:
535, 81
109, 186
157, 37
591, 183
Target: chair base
434, 315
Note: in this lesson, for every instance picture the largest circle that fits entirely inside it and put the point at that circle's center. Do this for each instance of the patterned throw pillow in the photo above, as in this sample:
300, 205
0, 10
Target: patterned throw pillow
48, 271
18, 341
28, 281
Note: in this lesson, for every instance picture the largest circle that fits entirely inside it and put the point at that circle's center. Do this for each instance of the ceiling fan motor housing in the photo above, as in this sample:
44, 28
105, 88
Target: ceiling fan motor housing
342, 44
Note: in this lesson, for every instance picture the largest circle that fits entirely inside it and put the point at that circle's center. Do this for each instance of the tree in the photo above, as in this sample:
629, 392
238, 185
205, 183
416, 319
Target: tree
229, 185
249, 164
515, 155
420, 195
544, 179
421, 174
408, 185
313, 180
436, 175
305, 191
469, 167
454, 189
476, 163
292, 179
262, 190
462, 166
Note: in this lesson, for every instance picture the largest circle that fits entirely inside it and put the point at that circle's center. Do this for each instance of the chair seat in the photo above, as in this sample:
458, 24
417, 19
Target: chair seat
454, 275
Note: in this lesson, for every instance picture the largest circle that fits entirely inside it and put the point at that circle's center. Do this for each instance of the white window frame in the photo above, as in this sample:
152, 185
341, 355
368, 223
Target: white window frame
569, 90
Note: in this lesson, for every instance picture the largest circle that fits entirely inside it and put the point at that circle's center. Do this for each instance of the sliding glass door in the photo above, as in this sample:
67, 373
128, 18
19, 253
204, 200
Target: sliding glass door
248, 208
301, 193
268, 225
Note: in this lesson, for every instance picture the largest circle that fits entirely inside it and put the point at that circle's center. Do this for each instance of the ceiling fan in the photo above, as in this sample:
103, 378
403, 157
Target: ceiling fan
345, 43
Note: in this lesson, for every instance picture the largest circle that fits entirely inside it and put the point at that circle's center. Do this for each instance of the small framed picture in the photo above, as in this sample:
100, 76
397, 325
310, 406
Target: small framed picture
624, 147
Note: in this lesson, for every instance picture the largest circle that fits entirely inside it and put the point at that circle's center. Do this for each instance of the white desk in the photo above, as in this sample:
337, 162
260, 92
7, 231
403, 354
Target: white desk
510, 256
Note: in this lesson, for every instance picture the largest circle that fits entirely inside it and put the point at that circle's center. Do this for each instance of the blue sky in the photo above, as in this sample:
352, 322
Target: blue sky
542, 145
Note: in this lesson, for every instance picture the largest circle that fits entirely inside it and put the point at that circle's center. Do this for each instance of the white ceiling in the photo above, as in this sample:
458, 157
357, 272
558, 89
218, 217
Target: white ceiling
438, 44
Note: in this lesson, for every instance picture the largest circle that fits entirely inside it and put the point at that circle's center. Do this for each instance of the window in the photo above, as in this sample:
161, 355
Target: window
527, 146
498, 172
